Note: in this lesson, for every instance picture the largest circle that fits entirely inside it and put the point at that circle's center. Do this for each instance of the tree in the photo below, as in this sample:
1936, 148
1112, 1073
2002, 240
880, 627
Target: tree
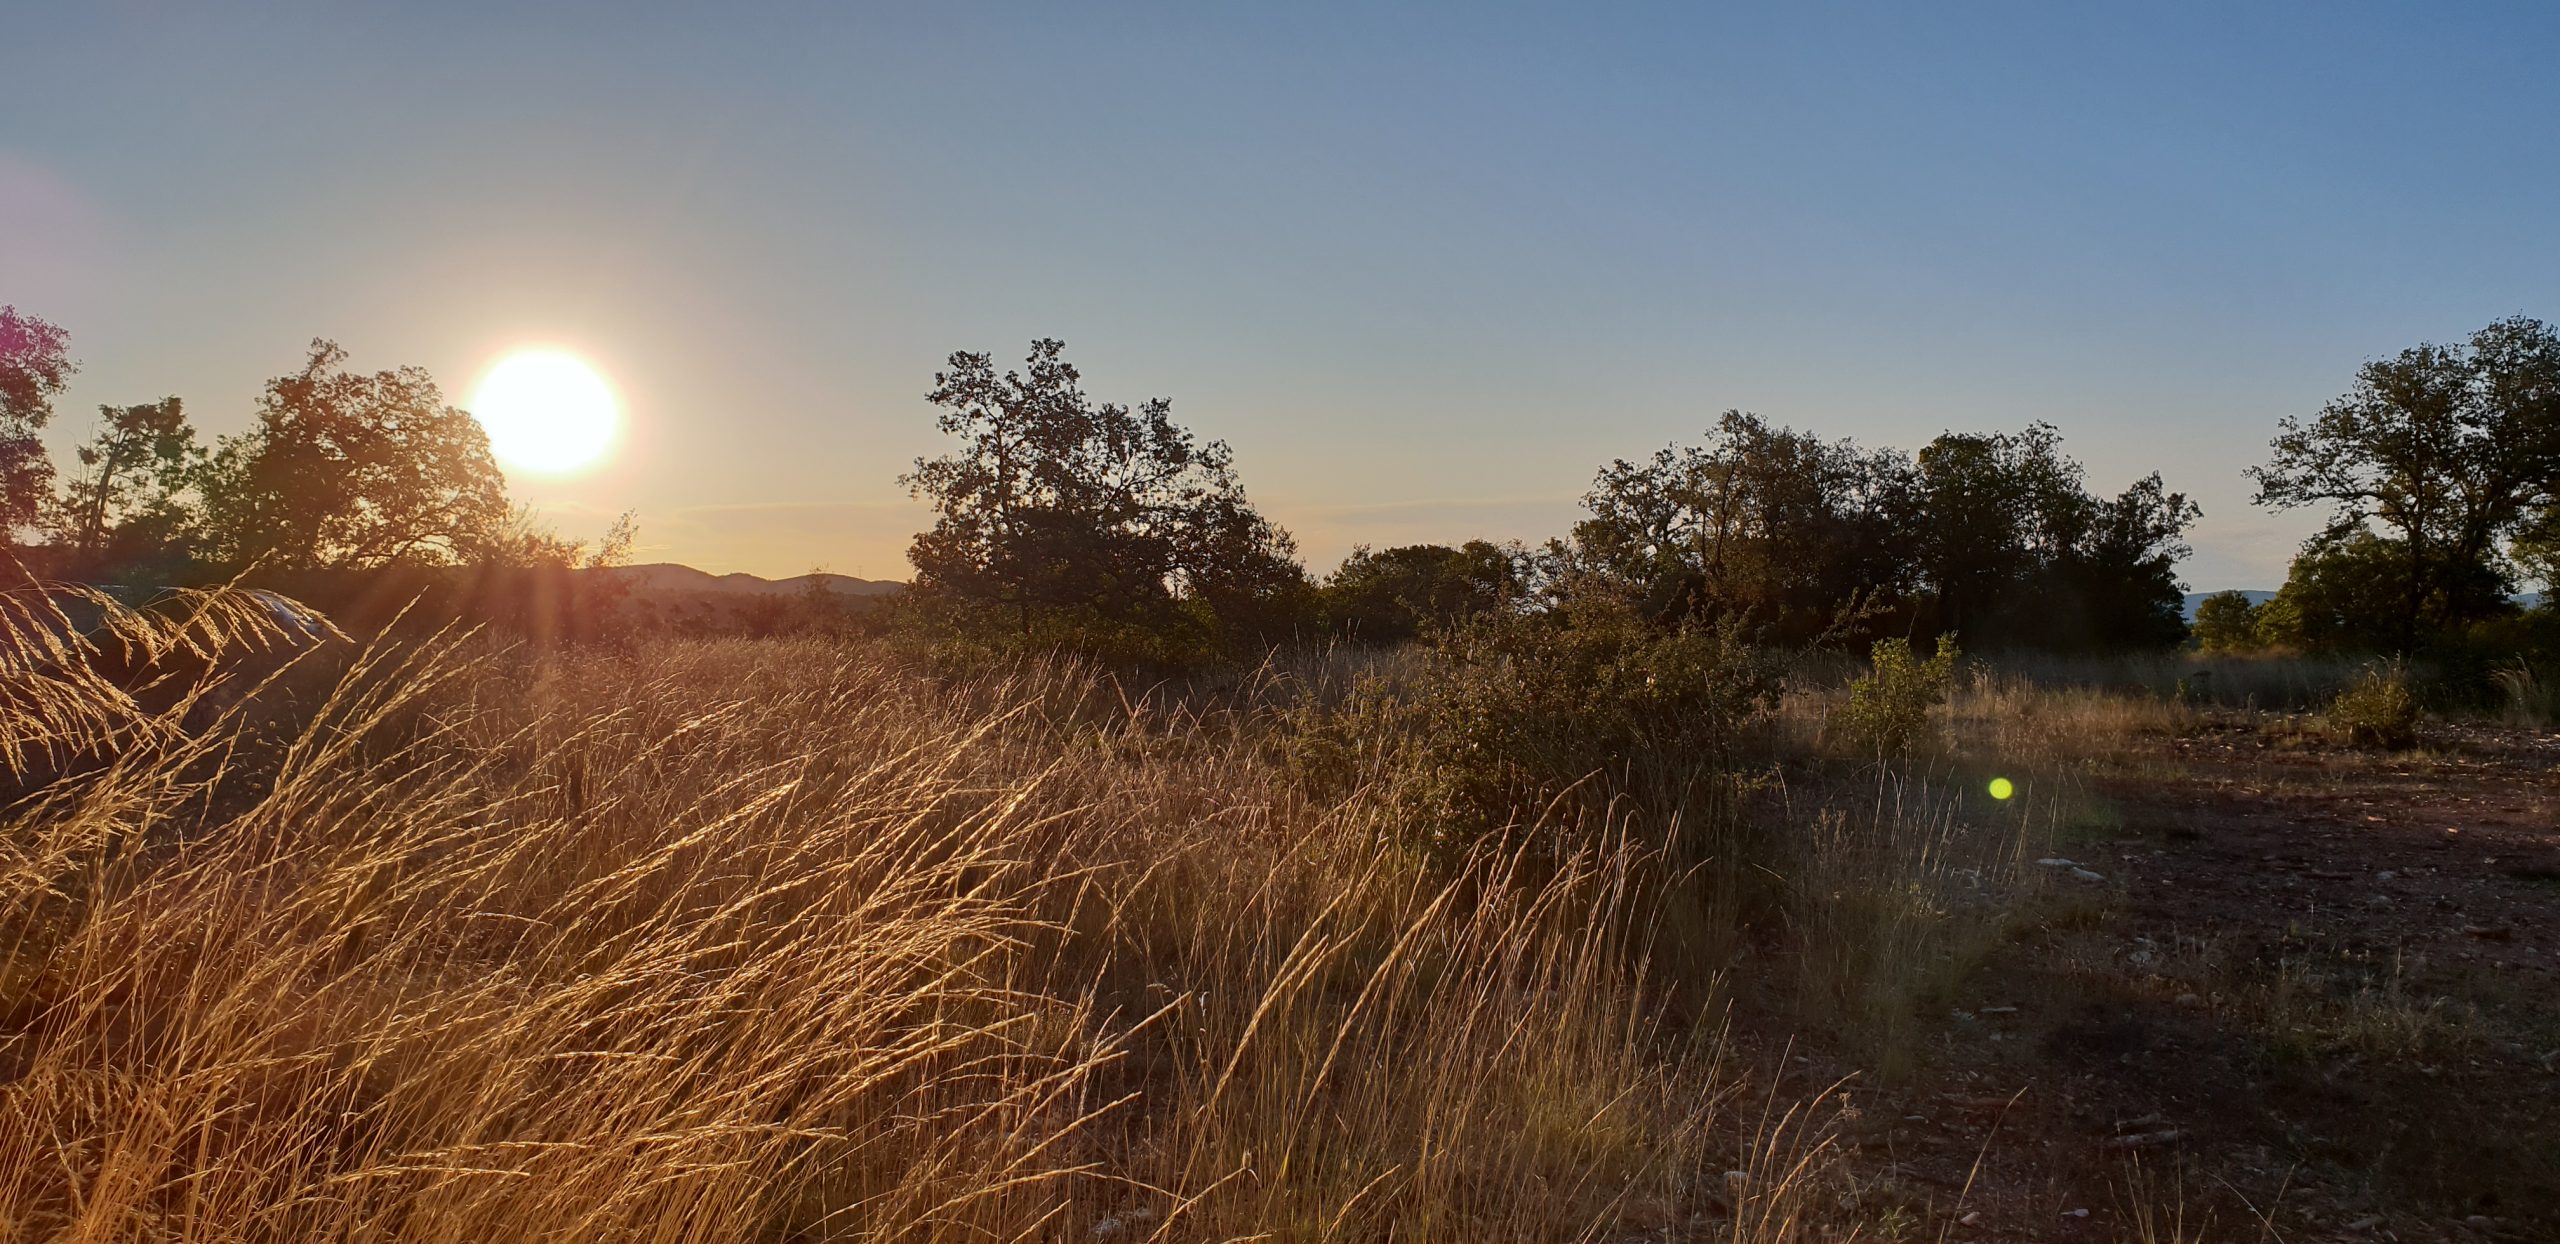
2118, 583
1057, 504
1763, 523
2448, 448
129, 504
2226, 622
2016, 552
346, 470
35, 366
1390, 595
2351, 593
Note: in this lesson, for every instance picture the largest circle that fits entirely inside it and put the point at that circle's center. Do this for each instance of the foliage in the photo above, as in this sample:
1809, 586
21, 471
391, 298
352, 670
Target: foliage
2380, 709
1994, 535
2018, 553
1514, 711
2450, 449
1768, 523
1060, 506
2226, 622
130, 507
35, 365
346, 470
2350, 593
1391, 595
1888, 708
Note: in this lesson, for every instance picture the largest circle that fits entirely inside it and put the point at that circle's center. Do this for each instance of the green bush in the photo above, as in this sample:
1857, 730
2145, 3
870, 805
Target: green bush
1888, 708
2379, 709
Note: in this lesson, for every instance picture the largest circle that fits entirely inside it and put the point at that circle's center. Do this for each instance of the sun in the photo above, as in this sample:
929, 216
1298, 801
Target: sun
547, 412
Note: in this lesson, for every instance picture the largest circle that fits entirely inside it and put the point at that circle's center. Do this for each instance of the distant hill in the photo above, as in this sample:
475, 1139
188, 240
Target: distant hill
2255, 596
671, 577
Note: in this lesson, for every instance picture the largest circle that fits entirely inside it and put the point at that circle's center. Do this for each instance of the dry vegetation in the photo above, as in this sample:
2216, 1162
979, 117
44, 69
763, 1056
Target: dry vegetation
788, 940
777, 940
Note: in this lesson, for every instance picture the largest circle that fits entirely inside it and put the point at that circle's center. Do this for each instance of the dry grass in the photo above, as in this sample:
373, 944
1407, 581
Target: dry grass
778, 941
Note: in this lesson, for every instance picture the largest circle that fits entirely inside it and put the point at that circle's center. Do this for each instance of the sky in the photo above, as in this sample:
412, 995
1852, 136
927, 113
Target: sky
1425, 267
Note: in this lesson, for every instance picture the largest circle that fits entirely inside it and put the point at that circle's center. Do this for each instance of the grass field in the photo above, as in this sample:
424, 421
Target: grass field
794, 940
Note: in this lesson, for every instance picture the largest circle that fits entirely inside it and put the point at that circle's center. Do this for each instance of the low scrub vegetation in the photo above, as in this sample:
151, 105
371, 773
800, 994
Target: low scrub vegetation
2380, 709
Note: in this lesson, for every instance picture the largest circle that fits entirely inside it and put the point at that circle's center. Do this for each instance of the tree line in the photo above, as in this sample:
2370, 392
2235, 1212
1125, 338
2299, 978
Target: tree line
1063, 520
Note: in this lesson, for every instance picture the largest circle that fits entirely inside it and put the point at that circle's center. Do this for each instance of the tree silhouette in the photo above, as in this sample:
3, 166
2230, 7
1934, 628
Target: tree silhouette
347, 470
1770, 523
2450, 448
1055, 502
34, 367
128, 503
1389, 595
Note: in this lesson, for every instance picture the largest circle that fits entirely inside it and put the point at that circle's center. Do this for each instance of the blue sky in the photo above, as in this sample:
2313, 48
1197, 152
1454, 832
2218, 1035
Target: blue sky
1426, 268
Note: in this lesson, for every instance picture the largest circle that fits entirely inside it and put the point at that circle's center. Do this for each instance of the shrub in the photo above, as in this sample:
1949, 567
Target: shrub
1889, 707
1512, 712
2379, 709
2528, 700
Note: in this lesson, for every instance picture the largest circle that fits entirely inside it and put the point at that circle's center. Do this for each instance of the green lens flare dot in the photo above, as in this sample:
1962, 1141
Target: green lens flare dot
2002, 788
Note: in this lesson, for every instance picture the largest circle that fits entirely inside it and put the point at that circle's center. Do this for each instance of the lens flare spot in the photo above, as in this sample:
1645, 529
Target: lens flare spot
2002, 788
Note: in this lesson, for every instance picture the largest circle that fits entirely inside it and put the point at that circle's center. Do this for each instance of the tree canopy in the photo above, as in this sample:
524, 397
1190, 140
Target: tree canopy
129, 502
1056, 502
350, 470
1990, 535
35, 366
1390, 595
2450, 449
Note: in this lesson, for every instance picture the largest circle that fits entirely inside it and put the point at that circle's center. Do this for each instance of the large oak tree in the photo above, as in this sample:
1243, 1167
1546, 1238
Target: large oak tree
2449, 448
352, 470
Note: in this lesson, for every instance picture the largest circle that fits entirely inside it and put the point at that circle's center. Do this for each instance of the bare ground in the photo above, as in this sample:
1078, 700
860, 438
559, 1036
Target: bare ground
2314, 996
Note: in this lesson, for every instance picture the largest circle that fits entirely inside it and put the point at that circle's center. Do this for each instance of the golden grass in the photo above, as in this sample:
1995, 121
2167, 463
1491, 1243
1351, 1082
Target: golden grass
779, 941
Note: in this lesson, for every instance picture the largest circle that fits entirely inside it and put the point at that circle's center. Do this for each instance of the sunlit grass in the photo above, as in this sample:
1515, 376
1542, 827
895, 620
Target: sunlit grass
779, 940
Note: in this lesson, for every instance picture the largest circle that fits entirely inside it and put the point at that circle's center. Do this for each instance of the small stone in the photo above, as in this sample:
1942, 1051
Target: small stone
2480, 1222
2086, 875
2075, 1213
1972, 1218
2386, 875
2188, 999
2057, 862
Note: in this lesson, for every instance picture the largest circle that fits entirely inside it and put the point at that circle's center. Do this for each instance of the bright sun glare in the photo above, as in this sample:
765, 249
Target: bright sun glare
546, 411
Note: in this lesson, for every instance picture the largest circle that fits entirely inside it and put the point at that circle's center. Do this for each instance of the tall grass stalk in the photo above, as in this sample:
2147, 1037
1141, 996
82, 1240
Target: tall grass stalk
778, 941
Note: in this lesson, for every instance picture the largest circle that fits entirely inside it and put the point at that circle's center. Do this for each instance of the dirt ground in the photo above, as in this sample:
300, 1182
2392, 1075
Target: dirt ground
2311, 994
